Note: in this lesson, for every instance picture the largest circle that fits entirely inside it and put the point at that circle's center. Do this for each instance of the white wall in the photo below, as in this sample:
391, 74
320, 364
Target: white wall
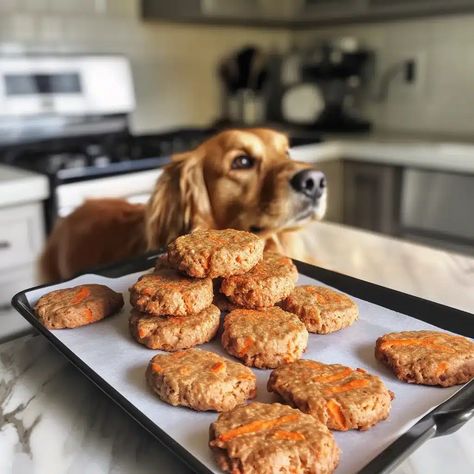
443, 101
174, 66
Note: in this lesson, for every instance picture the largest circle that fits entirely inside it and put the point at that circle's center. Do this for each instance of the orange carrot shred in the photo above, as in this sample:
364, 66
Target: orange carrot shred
336, 415
362, 371
289, 435
441, 369
218, 367
80, 295
427, 341
141, 333
156, 367
333, 377
246, 346
256, 426
351, 385
88, 315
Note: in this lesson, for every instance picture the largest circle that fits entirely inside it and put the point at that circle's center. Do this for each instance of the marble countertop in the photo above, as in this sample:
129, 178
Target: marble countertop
19, 186
53, 420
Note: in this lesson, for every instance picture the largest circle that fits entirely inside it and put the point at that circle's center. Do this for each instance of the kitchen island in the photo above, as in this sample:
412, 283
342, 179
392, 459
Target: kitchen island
53, 420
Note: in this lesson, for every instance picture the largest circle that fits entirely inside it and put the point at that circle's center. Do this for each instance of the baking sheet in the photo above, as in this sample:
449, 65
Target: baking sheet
107, 348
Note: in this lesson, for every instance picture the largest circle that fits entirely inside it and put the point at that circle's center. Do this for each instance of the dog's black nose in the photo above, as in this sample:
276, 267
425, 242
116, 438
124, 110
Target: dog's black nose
309, 182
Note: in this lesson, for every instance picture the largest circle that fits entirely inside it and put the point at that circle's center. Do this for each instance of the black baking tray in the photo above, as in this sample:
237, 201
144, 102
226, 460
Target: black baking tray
443, 420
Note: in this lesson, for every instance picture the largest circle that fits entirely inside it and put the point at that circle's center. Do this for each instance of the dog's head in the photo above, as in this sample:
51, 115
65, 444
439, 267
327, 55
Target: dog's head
241, 179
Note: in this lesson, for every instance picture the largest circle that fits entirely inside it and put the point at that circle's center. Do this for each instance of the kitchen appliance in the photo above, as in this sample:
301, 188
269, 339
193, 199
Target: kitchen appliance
318, 87
68, 117
436, 209
244, 74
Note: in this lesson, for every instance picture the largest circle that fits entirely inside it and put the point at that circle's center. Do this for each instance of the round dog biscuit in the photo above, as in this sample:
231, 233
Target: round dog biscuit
264, 338
172, 333
200, 380
321, 309
272, 438
168, 292
427, 357
267, 283
215, 253
338, 396
78, 306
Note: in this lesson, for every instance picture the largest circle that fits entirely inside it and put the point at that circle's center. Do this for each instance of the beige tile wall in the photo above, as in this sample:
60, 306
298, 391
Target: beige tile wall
173, 65
443, 100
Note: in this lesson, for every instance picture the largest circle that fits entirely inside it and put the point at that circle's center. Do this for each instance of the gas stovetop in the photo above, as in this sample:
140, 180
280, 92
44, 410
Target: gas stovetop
98, 155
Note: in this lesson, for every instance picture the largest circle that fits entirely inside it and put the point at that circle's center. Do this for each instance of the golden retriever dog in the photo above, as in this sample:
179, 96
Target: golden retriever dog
241, 179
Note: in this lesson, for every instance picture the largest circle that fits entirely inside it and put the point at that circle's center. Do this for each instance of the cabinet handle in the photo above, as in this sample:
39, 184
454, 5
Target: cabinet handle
4, 244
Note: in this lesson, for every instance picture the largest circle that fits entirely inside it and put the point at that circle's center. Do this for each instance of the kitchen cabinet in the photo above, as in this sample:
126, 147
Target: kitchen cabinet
21, 241
371, 196
295, 13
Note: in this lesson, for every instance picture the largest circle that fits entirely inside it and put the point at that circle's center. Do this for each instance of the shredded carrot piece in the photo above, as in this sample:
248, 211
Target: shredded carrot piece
333, 377
427, 341
141, 332
88, 315
156, 367
289, 435
335, 414
362, 371
246, 346
81, 295
218, 367
185, 370
351, 385
442, 366
256, 426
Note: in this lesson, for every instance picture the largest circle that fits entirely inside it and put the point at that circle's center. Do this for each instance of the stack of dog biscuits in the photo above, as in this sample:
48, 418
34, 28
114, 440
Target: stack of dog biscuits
172, 311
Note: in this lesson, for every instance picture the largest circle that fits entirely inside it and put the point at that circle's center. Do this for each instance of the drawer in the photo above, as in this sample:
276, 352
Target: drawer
11, 282
21, 234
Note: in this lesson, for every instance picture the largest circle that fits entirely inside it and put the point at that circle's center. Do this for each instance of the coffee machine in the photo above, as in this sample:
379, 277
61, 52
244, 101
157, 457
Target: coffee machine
317, 88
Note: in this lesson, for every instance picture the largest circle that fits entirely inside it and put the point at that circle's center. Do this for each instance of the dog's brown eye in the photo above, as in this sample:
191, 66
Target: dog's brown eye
243, 162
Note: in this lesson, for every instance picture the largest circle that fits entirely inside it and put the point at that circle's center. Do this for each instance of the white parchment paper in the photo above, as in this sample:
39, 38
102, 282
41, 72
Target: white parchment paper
108, 349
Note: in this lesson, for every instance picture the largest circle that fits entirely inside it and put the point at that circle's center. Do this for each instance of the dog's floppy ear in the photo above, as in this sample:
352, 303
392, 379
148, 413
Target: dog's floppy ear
180, 202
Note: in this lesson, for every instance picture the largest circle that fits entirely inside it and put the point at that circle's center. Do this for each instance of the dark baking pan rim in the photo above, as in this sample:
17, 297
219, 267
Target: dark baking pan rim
442, 420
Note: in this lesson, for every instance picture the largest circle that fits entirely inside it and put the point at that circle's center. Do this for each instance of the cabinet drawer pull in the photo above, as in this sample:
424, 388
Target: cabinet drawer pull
4, 244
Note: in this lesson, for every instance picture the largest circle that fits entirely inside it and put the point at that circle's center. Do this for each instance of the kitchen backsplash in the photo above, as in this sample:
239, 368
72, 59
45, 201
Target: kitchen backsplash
442, 99
174, 65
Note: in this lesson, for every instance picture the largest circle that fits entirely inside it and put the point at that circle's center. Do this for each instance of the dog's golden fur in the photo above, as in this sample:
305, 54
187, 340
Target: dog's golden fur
198, 189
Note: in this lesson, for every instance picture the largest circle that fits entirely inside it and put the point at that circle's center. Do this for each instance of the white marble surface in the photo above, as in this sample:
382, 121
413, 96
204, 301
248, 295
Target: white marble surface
19, 186
455, 157
53, 420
